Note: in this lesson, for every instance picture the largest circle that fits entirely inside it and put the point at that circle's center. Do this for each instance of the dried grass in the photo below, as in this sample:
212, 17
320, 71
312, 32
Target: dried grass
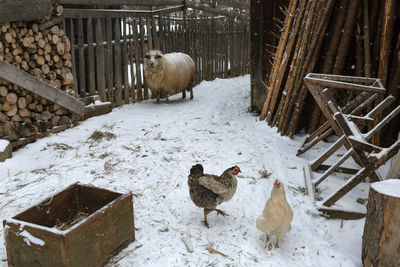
79, 216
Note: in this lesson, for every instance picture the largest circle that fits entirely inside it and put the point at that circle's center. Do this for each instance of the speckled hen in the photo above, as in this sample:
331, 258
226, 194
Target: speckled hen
208, 191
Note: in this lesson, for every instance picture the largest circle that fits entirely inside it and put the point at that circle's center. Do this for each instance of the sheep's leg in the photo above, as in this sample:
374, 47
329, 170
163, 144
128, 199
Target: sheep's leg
158, 96
183, 94
277, 242
166, 98
191, 92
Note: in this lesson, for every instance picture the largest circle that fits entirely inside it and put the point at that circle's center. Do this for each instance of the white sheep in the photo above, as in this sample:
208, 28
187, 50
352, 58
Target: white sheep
171, 72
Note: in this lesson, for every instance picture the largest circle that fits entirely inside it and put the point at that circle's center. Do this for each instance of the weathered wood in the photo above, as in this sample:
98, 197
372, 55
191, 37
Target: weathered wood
29, 82
116, 13
81, 54
101, 82
125, 57
97, 110
5, 150
381, 238
139, 83
117, 62
333, 167
341, 214
109, 60
108, 213
216, 11
33, 138
122, 2
91, 58
25, 10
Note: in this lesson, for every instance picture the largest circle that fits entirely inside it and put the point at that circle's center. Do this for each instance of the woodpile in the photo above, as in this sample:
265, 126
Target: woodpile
355, 38
42, 49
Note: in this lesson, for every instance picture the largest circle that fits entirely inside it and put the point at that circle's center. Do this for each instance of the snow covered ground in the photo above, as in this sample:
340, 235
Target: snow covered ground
151, 154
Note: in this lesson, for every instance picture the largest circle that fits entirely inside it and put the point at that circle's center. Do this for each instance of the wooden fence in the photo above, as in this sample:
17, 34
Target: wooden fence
109, 45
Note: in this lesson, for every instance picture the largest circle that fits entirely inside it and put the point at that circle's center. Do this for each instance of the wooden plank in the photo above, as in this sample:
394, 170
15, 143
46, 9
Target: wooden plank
350, 184
149, 34
332, 149
137, 62
81, 53
109, 60
74, 61
31, 83
381, 107
342, 214
25, 10
156, 41
161, 33
122, 2
115, 13
216, 11
143, 52
234, 3
132, 61
117, 62
92, 74
346, 170
333, 167
168, 25
125, 57
101, 82
33, 138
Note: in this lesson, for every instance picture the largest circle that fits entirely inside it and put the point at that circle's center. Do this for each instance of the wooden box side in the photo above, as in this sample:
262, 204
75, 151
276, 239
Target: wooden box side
28, 245
99, 237
57, 207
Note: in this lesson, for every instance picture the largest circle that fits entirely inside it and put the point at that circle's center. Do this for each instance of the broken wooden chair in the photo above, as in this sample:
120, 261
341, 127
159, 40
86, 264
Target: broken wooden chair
368, 156
371, 87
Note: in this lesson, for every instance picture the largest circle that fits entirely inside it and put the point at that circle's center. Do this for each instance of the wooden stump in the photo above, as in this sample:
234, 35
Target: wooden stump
381, 238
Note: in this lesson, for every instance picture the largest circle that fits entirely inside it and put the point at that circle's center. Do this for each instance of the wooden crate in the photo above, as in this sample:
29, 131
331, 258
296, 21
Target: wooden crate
32, 238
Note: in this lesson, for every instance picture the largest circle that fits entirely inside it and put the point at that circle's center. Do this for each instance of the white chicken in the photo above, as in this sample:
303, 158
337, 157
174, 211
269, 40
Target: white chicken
276, 216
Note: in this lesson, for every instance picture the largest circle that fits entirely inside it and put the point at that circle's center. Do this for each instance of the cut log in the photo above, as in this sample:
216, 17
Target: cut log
11, 98
381, 238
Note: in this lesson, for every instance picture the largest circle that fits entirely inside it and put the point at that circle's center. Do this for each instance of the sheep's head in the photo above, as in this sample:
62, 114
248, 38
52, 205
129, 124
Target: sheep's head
152, 58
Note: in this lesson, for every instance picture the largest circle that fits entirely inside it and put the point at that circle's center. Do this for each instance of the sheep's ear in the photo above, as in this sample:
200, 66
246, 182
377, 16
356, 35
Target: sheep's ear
158, 56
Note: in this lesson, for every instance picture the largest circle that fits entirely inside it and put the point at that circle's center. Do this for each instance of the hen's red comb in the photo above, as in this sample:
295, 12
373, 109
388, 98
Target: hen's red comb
237, 167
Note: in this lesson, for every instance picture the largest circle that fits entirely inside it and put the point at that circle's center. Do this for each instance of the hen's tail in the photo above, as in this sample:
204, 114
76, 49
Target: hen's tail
196, 170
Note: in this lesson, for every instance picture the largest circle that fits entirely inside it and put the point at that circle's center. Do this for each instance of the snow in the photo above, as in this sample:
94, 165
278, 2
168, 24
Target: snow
389, 187
3, 144
151, 155
28, 238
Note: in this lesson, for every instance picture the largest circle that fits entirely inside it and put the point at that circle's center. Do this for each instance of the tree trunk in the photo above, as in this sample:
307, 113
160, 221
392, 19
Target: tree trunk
381, 238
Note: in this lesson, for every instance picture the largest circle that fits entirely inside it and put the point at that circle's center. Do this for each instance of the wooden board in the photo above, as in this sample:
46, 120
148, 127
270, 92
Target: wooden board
25, 10
31, 83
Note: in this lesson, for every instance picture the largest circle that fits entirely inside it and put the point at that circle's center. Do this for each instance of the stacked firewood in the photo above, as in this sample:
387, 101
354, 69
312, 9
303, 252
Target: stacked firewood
42, 49
355, 38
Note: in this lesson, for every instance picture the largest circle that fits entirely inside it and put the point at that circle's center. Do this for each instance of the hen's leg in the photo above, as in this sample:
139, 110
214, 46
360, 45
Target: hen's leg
221, 212
206, 212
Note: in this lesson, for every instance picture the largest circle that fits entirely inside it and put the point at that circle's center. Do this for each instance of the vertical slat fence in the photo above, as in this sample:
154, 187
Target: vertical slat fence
109, 46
